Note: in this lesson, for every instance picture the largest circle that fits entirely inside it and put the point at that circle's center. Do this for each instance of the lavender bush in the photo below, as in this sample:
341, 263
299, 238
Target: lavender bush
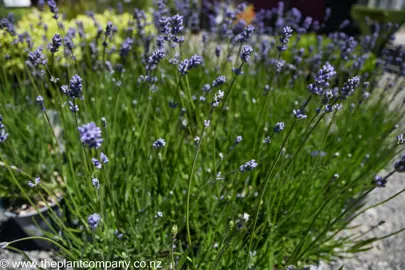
199, 140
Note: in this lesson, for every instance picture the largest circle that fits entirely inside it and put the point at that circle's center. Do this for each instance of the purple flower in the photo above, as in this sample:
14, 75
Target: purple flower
126, 47
218, 51
68, 43
299, 114
188, 64
400, 165
75, 89
287, 33
95, 183
344, 24
246, 34
35, 183
8, 26
183, 66
238, 140
94, 220
349, 87
349, 46
108, 29
278, 127
195, 61
53, 8
36, 58
90, 134
176, 24
379, 181
55, 43
3, 245
219, 81
246, 52
3, 134
159, 143
171, 26
155, 58
118, 234
206, 87
237, 71
305, 25
40, 101
104, 158
322, 79
248, 166
97, 163
74, 108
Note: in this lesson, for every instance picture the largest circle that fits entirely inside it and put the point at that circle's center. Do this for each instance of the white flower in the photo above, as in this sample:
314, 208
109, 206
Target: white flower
246, 217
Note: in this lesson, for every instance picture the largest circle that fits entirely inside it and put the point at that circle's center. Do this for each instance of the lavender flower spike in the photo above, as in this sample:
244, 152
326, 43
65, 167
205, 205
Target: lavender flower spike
219, 81
55, 43
126, 47
188, 64
349, 87
90, 134
248, 166
36, 58
285, 38
246, 52
53, 8
75, 89
159, 143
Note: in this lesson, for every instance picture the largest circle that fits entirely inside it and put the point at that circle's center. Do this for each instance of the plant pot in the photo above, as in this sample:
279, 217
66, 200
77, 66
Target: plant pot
33, 224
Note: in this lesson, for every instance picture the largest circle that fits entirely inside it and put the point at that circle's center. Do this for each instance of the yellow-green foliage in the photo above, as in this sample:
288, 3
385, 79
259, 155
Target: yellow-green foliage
40, 26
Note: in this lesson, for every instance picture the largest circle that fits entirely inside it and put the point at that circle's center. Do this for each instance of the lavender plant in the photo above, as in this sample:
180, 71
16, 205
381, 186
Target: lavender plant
226, 147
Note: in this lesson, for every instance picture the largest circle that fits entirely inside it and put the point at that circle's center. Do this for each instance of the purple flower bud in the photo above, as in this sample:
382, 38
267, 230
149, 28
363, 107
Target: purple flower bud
94, 220
104, 158
97, 163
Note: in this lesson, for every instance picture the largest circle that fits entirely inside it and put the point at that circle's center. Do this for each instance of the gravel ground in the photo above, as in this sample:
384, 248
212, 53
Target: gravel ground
387, 254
